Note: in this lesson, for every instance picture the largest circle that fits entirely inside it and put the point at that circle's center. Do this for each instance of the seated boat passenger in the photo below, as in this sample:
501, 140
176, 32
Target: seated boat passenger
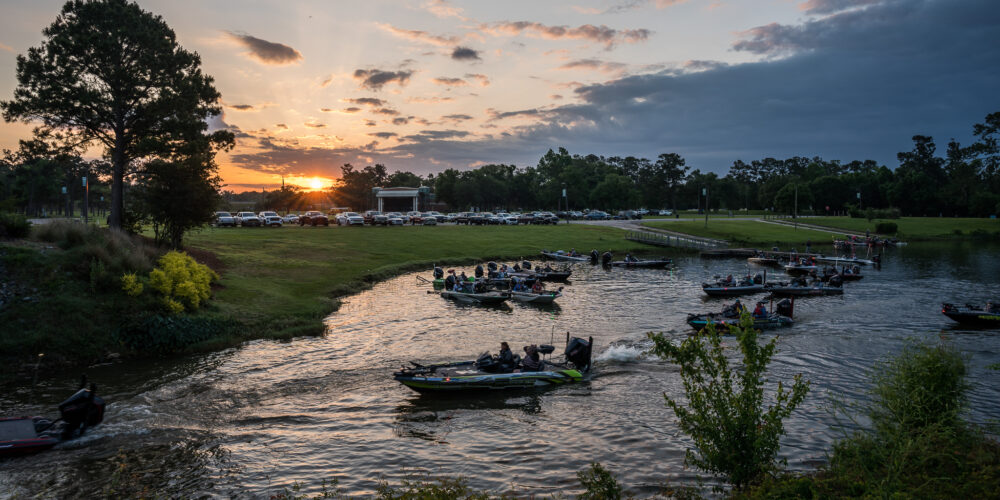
532, 362
572, 253
734, 310
548, 268
760, 311
630, 258
506, 358
537, 287
449, 282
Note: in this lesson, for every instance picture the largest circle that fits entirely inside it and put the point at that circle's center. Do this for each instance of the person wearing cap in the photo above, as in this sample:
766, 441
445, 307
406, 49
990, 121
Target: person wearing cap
449, 282
759, 311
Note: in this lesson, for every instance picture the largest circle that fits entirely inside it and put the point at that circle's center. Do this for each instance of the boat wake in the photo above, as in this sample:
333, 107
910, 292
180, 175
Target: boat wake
626, 352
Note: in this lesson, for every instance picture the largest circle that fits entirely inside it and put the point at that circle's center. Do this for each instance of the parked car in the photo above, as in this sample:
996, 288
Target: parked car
290, 219
429, 220
403, 217
575, 215
463, 217
415, 217
223, 219
597, 215
248, 219
314, 218
546, 218
526, 218
666, 212
395, 218
629, 214
270, 219
374, 218
350, 219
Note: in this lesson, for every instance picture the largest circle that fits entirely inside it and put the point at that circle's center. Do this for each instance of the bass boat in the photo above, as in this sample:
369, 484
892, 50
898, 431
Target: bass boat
564, 256
797, 289
536, 298
24, 435
974, 315
490, 297
653, 263
779, 318
487, 374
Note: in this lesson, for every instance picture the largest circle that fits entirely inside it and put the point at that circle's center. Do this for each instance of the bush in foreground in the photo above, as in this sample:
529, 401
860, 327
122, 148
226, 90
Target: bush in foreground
734, 435
918, 446
14, 226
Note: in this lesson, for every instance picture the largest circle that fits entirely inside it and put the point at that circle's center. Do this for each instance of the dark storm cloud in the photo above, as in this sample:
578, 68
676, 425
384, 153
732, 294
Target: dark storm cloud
375, 79
265, 51
465, 54
274, 156
854, 85
367, 101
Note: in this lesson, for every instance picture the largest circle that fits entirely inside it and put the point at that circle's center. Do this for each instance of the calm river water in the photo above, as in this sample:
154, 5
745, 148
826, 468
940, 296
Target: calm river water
253, 419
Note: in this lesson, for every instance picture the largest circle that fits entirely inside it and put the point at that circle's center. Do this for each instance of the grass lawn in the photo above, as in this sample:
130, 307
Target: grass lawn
914, 228
282, 282
746, 233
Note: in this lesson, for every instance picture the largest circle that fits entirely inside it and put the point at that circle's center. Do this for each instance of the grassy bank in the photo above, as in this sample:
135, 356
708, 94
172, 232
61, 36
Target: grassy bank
917, 228
275, 283
747, 233
281, 282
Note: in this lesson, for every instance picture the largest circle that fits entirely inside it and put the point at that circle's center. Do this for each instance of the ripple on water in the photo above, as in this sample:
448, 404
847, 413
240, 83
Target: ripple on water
326, 407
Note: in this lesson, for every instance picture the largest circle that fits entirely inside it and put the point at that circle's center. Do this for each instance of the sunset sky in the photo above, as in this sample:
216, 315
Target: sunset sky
426, 85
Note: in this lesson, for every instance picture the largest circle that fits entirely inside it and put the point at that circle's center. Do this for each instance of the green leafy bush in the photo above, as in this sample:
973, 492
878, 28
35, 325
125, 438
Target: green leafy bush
183, 282
14, 226
131, 285
886, 228
600, 484
734, 435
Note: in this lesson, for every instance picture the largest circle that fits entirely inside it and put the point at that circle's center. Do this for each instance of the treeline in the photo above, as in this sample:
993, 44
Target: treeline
963, 182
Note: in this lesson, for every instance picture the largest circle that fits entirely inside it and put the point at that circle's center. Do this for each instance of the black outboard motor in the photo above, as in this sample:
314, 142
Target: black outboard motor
479, 271
785, 307
578, 352
758, 279
526, 265
81, 410
594, 256
836, 280
492, 266
438, 273
606, 258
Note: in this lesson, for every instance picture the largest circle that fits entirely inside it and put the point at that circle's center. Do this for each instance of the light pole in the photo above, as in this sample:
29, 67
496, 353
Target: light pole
86, 199
704, 191
566, 202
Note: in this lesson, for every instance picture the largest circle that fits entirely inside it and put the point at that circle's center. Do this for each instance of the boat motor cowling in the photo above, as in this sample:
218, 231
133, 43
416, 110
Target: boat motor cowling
487, 363
492, 266
525, 265
785, 307
81, 410
438, 273
578, 352
479, 271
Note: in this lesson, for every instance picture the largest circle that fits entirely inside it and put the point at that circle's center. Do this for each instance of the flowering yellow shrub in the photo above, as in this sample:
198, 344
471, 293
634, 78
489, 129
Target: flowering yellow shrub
184, 283
131, 284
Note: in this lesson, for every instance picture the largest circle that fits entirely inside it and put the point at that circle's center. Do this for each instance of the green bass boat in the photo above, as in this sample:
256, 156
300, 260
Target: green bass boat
487, 374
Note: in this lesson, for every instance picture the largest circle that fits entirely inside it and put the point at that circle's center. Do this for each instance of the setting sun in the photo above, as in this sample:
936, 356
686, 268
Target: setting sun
315, 184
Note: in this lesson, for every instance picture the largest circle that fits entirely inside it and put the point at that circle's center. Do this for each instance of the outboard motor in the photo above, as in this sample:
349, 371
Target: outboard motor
606, 258
758, 279
492, 266
785, 307
438, 273
479, 271
81, 410
836, 280
594, 256
578, 352
526, 265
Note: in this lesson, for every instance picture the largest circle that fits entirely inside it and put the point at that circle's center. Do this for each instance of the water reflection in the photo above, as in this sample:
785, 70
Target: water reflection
327, 407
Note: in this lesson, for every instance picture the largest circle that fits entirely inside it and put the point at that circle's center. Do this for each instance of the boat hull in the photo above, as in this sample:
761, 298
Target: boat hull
489, 382
722, 324
19, 437
732, 291
535, 298
564, 257
643, 263
476, 298
972, 317
804, 291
